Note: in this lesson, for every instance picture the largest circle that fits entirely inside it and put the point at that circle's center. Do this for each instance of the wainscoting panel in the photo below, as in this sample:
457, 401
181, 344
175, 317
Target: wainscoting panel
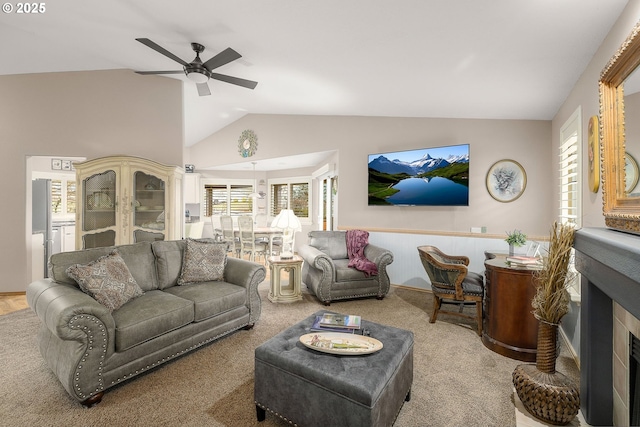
407, 269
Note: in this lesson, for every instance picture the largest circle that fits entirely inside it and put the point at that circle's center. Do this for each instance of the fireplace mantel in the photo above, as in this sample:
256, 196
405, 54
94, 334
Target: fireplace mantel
609, 262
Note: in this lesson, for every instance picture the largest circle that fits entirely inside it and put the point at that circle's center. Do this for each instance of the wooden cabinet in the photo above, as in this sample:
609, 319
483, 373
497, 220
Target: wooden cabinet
509, 327
126, 200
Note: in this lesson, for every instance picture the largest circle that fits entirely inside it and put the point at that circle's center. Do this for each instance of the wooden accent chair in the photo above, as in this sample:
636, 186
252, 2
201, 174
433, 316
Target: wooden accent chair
452, 282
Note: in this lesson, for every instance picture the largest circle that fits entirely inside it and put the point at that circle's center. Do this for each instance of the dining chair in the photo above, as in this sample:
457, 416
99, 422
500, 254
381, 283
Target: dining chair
229, 236
248, 243
216, 227
194, 229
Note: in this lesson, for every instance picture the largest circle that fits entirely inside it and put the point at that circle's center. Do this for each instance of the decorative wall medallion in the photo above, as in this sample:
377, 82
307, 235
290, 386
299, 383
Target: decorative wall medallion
506, 180
248, 143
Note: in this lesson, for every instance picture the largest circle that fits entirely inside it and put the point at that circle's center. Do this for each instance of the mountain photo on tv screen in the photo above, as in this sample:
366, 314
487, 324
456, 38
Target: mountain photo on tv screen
436, 176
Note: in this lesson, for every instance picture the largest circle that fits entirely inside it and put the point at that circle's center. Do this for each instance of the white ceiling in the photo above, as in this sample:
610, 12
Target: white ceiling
408, 58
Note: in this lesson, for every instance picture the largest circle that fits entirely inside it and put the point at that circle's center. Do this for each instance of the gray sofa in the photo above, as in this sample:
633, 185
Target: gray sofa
91, 348
326, 273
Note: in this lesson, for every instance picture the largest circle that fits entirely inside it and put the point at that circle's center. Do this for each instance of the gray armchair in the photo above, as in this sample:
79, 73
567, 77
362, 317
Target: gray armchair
326, 273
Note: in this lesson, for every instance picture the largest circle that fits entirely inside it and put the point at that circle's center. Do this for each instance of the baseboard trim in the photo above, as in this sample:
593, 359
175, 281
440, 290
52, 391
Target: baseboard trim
575, 356
11, 294
411, 288
567, 342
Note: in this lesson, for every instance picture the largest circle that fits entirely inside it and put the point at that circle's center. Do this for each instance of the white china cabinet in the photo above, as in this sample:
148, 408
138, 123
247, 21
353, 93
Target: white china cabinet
125, 199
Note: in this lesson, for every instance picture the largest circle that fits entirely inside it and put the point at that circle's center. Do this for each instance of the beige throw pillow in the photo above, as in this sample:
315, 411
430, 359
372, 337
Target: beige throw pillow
203, 261
107, 279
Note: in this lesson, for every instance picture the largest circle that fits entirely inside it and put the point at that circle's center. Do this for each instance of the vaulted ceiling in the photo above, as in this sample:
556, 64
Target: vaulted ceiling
404, 58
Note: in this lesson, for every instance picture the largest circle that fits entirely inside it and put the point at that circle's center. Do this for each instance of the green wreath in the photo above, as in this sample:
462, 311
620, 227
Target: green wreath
248, 143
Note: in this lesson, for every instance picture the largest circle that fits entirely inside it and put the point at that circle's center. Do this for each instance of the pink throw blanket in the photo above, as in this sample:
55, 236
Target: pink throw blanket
356, 241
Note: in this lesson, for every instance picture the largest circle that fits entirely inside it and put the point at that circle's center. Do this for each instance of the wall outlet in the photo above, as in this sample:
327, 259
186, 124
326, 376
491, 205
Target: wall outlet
476, 230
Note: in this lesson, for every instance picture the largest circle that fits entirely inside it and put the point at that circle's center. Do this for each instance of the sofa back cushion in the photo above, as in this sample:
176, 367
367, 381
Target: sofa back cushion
168, 261
332, 243
138, 257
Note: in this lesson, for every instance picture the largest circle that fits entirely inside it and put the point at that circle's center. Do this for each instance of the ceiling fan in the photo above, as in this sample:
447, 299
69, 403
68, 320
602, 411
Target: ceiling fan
200, 72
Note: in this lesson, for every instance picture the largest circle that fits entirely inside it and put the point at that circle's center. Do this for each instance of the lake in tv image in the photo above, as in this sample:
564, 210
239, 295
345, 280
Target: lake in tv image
425, 177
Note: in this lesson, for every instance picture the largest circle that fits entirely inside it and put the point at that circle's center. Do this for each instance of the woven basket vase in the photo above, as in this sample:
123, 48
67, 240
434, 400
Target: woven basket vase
548, 395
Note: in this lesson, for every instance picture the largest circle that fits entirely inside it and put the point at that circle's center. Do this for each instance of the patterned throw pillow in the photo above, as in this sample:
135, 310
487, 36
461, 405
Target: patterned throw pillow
203, 261
107, 279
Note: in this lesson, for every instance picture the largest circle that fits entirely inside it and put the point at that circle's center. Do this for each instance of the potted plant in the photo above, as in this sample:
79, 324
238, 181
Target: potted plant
515, 238
549, 395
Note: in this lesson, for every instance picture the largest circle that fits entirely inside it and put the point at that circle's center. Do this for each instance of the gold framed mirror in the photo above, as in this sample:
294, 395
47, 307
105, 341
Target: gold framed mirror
621, 208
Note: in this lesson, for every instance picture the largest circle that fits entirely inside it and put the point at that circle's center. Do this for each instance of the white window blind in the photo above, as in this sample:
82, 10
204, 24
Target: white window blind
63, 197
570, 175
293, 195
56, 196
569, 184
279, 198
228, 199
71, 197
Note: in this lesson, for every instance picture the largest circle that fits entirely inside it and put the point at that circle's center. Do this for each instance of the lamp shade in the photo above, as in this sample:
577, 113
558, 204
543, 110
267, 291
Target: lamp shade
287, 220
197, 76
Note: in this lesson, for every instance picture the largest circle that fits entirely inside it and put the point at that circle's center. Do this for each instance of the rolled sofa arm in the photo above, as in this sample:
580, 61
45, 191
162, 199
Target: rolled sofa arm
318, 271
381, 258
74, 336
56, 304
248, 275
317, 259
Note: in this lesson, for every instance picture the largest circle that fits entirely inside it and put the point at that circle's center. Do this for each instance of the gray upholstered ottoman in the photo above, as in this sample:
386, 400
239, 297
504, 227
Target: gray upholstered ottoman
310, 388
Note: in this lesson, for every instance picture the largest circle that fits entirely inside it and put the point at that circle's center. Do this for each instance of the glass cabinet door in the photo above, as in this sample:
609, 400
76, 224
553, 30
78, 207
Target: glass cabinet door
149, 207
99, 209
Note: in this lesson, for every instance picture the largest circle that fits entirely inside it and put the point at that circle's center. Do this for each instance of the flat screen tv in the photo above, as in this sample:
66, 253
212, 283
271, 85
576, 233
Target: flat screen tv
426, 177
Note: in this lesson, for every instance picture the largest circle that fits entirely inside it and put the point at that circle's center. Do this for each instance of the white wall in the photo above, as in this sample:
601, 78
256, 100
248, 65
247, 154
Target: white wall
407, 269
526, 141
80, 114
585, 94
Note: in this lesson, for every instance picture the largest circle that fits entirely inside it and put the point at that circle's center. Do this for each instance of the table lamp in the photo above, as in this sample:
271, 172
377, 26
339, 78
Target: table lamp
289, 223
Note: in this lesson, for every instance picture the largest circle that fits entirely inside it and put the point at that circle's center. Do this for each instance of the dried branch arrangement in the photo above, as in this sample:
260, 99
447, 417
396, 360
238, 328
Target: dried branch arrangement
551, 301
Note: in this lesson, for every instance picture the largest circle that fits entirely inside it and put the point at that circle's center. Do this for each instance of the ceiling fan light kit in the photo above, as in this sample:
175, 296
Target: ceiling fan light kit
197, 71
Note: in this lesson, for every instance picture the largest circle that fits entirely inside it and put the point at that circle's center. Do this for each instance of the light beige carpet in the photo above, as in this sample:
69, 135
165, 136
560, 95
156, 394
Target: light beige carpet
457, 381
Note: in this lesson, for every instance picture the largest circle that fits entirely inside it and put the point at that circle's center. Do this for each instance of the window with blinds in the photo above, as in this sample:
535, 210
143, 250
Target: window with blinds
56, 196
569, 171
294, 196
71, 197
228, 199
570, 188
279, 198
63, 197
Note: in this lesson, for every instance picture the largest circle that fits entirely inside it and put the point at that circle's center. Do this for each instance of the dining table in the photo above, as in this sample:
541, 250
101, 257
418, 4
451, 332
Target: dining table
267, 232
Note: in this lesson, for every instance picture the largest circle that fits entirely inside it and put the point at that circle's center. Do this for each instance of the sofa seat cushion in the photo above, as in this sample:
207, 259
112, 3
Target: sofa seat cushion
148, 316
211, 298
344, 273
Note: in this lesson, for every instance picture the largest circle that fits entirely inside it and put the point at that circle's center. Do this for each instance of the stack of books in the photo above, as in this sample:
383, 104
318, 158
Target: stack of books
524, 261
330, 322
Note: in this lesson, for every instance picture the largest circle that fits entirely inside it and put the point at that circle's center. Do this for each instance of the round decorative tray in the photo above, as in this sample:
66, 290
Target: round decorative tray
340, 343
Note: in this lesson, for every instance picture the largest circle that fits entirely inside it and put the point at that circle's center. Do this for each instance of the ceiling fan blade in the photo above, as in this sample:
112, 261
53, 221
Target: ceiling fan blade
203, 89
234, 80
161, 50
159, 72
222, 58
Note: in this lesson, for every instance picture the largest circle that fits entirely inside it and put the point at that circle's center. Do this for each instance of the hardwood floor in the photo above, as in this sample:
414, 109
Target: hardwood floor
12, 302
